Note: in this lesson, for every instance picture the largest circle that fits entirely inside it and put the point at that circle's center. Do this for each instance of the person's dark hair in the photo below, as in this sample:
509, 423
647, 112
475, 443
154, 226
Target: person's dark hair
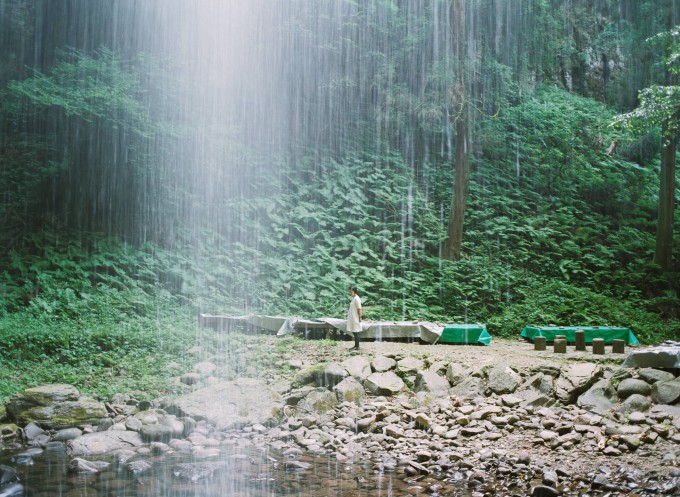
354, 289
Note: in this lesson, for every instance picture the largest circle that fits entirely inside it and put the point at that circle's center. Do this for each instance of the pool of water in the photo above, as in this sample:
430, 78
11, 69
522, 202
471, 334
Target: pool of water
235, 472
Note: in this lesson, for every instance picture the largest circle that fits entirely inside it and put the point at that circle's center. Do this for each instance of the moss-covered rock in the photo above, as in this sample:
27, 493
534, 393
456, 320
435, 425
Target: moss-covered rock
54, 407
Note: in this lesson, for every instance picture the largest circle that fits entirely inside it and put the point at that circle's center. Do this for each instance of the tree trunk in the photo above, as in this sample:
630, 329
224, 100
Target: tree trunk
663, 254
454, 230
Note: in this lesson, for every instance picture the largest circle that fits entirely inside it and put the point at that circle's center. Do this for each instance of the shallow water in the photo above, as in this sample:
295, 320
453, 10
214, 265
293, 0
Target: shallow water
241, 472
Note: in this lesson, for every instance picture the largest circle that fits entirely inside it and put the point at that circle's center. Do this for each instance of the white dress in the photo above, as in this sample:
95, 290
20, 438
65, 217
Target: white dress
353, 323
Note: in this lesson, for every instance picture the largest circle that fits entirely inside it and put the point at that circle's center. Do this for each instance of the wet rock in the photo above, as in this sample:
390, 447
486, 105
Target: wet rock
83, 466
12, 490
635, 402
502, 380
381, 364
138, 467
349, 390
666, 392
384, 383
430, 381
576, 379
7, 475
319, 401
54, 407
632, 386
651, 375
358, 367
312, 375
230, 404
194, 472
32, 431
103, 442
67, 434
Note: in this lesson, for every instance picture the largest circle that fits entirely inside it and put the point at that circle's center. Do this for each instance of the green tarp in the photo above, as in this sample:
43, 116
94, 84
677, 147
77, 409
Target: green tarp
609, 334
465, 333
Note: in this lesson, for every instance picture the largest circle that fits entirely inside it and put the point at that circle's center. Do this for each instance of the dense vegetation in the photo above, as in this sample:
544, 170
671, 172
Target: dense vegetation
124, 214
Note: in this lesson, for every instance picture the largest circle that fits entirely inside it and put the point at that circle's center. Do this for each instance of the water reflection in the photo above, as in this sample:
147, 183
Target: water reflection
236, 472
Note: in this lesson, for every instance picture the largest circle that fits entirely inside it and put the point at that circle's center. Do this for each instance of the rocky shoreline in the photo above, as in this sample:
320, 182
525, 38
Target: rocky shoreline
500, 420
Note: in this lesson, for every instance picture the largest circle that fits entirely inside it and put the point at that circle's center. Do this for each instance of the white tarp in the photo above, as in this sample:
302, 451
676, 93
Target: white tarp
377, 330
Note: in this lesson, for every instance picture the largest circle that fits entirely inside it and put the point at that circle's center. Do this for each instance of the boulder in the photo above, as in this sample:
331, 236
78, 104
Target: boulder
630, 386
667, 357
575, 380
103, 442
311, 376
651, 375
666, 392
349, 390
410, 365
387, 383
55, 407
357, 366
333, 374
455, 373
502, 380
318, 401
231, 404
471, 387
635, 402
599, 398
430, 381
382, 364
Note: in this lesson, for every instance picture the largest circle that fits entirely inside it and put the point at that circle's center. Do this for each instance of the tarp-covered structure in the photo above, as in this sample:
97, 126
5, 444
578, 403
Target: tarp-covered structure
285, 325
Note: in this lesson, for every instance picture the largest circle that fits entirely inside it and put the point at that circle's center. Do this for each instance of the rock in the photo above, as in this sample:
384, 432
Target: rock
502, 380
455, 373
630, 386
575, 380
103, 442
423, 420
470, 387
635, 402
387, 383
190, 378
54, 407
32, 431
7, 475
636, 417
230, 404
410, 365
333, 374
83, 466
311, 376
138, 467
67, 434
381, 364
599, 398
544, 491
667, 357
194, 472
430, 381
349, 390
541, 382
319, 401
666, 392
651, 375
511, 400
673, 411
358, 367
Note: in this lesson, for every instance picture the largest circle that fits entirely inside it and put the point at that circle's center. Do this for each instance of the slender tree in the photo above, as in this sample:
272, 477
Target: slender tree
660, 106
460, 96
